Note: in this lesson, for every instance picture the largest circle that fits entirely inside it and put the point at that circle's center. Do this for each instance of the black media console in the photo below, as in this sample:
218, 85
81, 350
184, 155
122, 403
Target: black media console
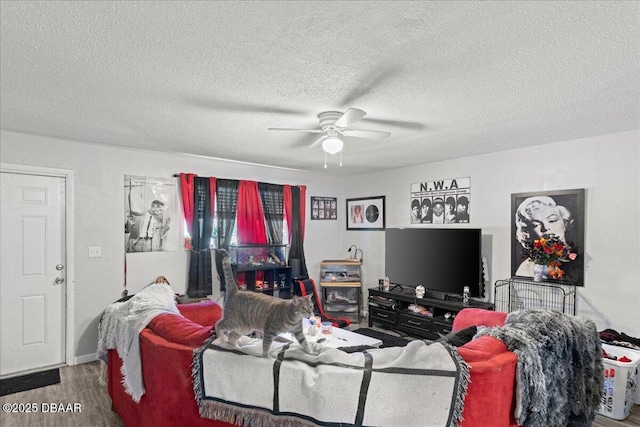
390, 309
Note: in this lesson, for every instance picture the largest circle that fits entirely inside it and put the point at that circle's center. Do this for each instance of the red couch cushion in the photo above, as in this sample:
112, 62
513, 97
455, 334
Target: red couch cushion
180, 330
478, 317
482, 349
490, 394
205, 313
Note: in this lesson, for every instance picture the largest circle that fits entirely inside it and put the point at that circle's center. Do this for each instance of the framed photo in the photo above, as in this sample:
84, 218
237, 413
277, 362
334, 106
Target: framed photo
366, 213
324, 208
548, 212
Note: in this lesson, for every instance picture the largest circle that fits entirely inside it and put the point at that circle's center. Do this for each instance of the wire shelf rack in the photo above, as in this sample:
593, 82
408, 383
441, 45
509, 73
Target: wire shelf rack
519, 293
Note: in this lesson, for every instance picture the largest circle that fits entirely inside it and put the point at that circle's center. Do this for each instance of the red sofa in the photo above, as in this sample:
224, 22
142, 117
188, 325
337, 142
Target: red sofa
166, 347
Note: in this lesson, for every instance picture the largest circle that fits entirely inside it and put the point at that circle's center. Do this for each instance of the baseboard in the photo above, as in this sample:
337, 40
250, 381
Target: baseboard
85, 358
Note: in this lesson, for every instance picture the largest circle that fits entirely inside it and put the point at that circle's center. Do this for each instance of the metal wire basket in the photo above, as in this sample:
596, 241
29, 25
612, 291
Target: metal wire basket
519, 293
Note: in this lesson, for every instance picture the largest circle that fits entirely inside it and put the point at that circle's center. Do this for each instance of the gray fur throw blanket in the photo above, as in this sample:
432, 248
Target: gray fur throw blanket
417, 385
121, 325
560, 375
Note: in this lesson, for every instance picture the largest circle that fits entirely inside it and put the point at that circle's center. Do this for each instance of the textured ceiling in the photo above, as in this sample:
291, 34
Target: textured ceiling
447, 79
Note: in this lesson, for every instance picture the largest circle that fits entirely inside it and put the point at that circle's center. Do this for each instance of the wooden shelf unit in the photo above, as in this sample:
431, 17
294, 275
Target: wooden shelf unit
341, 287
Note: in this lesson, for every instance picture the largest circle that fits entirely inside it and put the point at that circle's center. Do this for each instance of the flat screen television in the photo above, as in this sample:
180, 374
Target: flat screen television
442, 260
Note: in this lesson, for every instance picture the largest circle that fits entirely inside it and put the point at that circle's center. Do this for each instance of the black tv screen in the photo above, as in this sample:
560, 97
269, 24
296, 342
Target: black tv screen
443, 260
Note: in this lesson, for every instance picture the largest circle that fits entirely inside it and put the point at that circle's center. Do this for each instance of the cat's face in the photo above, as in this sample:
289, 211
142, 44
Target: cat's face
304, 305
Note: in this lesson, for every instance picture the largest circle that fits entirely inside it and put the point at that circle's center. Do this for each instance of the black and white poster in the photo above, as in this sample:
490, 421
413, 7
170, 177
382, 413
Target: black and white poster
325, 208
441, 202
150, 214
559, 213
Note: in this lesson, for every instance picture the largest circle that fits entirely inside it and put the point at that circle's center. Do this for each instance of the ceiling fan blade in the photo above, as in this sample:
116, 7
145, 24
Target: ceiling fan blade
398, 123
298, 130
371, 81
352, 115
373, 134
230, 105
318, 141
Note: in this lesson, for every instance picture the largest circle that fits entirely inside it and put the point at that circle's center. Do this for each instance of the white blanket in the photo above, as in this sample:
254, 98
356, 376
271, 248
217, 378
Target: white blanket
417, 385
121, 325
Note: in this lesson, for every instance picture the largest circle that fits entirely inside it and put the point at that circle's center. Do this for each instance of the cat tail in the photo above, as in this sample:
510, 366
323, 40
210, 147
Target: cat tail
229, 280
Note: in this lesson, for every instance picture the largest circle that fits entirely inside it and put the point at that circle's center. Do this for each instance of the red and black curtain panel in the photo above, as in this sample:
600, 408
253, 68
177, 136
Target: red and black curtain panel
289, 205
200, 282
302, 207
273, 208
287, 208
250, 216
296, 251
227, 207
186, 194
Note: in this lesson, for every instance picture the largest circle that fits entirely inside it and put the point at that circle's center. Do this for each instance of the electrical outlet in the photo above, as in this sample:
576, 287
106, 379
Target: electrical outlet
95, 251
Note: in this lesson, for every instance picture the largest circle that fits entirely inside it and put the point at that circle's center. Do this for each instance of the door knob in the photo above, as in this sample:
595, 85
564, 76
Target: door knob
59, 280
59, 267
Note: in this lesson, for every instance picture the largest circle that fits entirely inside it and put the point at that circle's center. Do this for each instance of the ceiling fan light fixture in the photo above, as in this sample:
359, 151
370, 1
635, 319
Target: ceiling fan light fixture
332, 145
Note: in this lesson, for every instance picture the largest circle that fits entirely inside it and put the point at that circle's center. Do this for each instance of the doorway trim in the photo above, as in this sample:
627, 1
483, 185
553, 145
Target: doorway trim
68, 175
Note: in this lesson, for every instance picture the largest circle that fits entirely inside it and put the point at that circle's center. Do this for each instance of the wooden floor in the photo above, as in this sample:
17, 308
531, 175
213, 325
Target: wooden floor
79, 385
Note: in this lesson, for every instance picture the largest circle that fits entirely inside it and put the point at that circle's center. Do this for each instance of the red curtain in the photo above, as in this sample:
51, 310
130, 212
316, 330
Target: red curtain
186, 192
288, 206
250, 217
212, 194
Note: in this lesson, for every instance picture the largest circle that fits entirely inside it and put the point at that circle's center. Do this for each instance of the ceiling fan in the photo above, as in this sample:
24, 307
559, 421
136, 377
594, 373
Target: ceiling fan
334, 124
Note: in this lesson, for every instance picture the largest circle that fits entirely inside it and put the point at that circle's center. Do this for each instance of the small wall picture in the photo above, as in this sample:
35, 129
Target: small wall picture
441, 202
366, 213
324, 208
559, 213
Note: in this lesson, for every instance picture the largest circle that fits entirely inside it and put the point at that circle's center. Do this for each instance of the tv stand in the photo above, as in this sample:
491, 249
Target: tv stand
395, 286
435, 295
390, 309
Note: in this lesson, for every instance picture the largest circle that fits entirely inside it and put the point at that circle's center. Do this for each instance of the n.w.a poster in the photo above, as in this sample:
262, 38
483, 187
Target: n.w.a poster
441, 202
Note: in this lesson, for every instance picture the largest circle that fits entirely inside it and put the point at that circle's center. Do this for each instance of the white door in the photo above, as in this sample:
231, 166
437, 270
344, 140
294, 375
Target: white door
32, 287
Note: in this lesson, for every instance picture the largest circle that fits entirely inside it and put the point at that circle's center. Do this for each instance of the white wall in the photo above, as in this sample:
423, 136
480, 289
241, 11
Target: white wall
606, 166
99, 215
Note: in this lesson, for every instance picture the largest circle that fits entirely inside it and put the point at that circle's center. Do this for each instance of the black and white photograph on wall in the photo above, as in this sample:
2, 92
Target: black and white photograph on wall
366, 213
150, 214
552, 215
324, 208
441, 202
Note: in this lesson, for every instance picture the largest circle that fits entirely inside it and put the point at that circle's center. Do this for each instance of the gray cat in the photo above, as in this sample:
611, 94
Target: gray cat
248, 311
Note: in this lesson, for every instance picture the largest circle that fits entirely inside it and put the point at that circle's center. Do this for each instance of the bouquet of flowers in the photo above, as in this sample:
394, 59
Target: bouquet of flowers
549, 250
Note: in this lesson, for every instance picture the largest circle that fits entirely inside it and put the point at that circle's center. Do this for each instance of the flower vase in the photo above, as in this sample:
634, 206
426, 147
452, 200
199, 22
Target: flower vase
539, 271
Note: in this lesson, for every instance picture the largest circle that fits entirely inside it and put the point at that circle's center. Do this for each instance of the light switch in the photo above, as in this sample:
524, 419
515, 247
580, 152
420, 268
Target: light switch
95, 251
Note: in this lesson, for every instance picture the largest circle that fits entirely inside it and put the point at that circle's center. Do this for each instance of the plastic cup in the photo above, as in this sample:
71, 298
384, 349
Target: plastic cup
327, 327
